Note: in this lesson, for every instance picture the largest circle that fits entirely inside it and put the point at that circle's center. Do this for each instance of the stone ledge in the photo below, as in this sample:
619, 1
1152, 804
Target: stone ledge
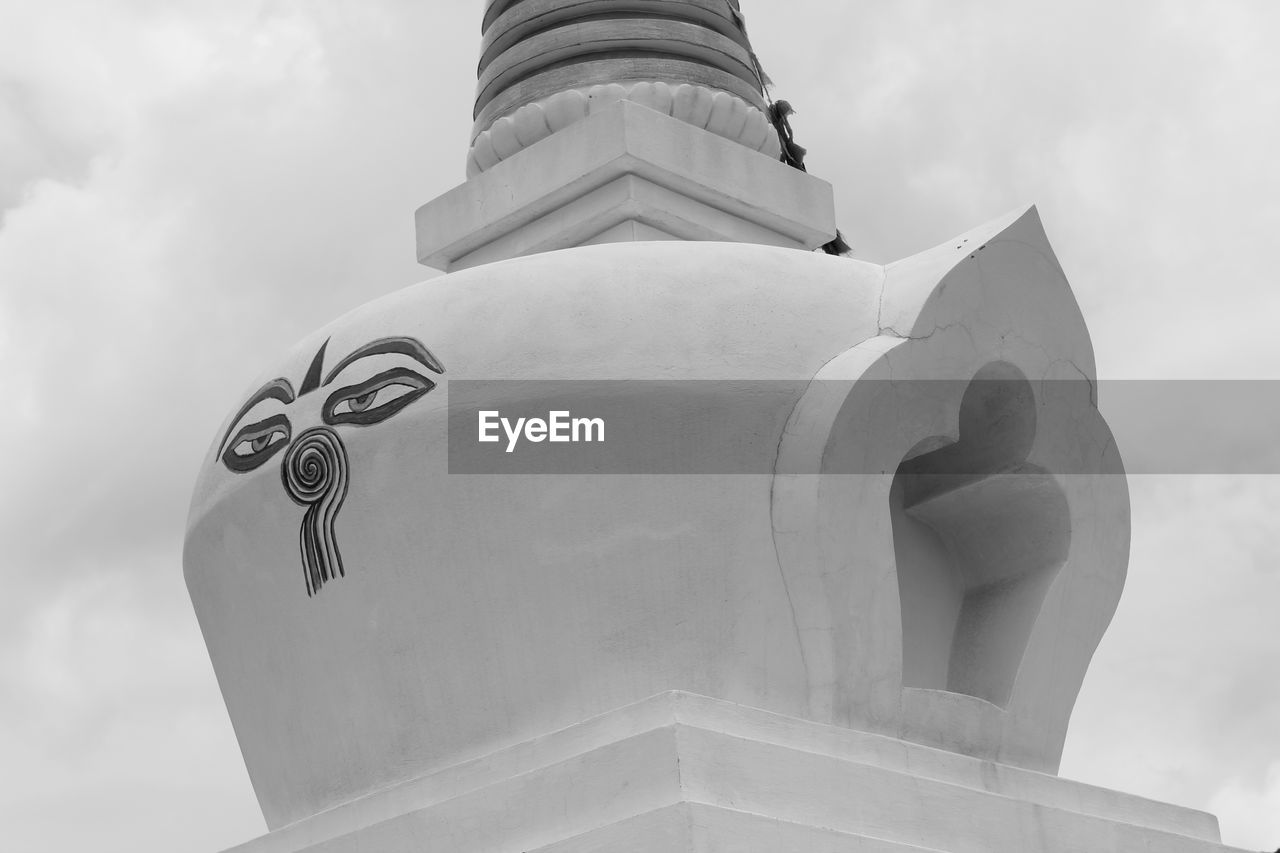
686, 182
682, 772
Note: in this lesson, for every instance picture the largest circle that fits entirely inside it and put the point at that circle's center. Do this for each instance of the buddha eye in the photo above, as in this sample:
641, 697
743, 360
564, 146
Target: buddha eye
360, 404
376, 399
256, 443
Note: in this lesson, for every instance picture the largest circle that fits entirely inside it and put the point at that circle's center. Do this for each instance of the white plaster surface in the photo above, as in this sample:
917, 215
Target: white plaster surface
479, 612
624, 163
679, 772
983, 299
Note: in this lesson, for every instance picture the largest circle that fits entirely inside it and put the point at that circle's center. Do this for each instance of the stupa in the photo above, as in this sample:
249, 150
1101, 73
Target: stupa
830, 582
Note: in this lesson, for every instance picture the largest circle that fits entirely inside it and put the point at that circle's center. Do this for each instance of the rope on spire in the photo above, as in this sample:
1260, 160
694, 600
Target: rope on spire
779, 114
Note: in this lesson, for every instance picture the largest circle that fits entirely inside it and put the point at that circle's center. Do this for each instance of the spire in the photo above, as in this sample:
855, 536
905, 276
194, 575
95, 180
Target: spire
545, 64
607, 121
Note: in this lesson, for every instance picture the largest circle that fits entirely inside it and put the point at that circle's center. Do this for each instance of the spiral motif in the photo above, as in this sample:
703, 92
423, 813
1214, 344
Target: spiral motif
315, 472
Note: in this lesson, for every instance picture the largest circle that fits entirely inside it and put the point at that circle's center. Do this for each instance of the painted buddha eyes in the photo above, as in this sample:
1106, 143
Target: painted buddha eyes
316, 470
376, 399
372, 401
255, 444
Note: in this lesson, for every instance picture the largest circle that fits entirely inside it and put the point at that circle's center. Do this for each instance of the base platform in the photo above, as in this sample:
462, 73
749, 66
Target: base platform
680, 772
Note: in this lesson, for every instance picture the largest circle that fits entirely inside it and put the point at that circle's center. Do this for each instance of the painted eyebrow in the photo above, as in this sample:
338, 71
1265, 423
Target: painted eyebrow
403, 346
276, 389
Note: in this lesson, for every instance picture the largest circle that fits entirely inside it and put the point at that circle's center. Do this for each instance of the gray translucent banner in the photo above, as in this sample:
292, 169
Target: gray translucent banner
736, 427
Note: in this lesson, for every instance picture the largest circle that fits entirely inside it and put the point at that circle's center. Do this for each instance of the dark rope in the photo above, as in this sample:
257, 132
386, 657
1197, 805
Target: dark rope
793, 153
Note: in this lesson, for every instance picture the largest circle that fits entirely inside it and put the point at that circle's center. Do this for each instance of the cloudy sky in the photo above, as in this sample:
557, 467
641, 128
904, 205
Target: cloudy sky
189, 186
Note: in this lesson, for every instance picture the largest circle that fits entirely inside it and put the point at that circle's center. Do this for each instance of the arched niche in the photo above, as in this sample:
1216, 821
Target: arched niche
979, 535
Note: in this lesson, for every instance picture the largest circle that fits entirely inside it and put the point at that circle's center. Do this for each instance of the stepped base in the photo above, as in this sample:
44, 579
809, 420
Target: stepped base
685, 773
626, 173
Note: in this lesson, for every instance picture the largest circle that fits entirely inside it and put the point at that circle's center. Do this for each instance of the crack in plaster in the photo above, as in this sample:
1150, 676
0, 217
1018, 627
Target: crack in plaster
777, 553
773, 486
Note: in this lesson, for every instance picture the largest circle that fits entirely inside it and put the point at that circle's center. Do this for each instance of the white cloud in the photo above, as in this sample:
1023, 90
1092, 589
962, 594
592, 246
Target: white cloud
109, 710
230, 194
1250, 811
